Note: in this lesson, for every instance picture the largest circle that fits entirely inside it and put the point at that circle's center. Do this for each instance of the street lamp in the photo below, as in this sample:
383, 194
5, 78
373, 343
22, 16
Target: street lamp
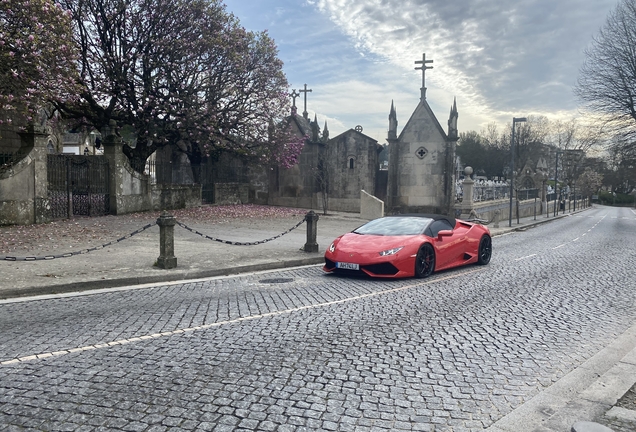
512, 164
557, 201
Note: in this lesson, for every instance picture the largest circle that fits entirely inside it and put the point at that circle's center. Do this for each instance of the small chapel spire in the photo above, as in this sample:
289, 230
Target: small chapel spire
393, 123
452, 122
325, 133
314, 129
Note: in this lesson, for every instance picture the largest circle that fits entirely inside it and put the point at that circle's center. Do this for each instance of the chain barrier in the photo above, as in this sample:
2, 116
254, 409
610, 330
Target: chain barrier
79, 252
184, 226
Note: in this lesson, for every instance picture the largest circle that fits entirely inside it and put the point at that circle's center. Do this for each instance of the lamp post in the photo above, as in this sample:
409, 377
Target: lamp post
556, 181
512, 163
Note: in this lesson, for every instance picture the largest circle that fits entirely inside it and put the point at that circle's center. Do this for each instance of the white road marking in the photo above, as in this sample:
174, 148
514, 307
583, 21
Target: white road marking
561, 245
222, 323
529, 256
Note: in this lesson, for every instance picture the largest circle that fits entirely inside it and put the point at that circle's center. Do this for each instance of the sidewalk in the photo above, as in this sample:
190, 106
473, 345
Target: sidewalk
598, 390
131, 261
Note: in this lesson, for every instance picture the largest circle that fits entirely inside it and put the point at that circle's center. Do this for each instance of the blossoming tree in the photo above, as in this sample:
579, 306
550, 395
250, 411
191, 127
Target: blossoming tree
37, 58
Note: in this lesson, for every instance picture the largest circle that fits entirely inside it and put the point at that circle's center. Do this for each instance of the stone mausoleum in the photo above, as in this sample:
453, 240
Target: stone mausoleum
420, 176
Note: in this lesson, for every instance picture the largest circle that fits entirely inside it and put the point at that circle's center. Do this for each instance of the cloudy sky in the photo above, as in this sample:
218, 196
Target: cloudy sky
499, 58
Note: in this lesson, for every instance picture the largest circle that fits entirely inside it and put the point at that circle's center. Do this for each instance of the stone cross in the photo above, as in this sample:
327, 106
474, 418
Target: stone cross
423, 68
294, 95
305, 113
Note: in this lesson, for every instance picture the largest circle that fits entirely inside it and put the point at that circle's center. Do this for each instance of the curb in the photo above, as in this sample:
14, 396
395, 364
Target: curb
184, 276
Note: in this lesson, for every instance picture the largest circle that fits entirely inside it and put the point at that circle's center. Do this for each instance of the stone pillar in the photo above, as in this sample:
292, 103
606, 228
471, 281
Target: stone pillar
392, 179
166, 259
114, 154
467, 195
497, 216
36, 138
312, 232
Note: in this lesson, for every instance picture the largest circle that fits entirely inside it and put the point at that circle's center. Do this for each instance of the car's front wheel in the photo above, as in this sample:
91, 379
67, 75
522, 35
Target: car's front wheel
425, 261
485, 250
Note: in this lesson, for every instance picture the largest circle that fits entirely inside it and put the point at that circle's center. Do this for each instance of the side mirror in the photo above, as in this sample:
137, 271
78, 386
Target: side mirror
444, 233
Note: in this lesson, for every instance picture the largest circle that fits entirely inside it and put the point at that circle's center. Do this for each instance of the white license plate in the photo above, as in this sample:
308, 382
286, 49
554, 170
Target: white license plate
347, 266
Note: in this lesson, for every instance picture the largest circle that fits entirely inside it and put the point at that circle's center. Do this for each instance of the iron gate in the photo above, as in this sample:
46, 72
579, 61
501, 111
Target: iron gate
78, 186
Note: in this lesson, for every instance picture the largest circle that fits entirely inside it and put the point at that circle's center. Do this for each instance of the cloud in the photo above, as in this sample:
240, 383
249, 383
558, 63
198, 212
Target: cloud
497, 56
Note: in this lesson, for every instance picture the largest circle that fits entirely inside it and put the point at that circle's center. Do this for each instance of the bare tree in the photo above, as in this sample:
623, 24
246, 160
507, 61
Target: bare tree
180, 71
607, 80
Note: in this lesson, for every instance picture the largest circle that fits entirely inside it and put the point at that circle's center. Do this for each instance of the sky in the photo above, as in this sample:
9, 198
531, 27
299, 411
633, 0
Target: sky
499, 58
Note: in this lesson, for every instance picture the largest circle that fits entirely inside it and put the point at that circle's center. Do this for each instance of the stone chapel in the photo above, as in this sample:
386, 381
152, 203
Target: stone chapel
420, 177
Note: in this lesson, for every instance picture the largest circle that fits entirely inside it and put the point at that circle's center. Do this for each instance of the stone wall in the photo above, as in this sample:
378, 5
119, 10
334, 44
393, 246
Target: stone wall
486, 209
129, 190
231, 193
17, 193
170, 197
23, 183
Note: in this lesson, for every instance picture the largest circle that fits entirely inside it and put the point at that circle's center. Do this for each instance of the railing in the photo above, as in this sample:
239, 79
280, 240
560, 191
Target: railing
182, 173
483, 191
490, 191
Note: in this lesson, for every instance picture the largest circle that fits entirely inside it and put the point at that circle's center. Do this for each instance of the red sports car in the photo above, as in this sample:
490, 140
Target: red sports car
409, 245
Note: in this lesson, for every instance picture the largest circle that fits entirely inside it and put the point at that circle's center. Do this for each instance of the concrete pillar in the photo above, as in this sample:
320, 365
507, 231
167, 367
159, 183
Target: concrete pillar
166, 259
467, 195
114, 154
312, 232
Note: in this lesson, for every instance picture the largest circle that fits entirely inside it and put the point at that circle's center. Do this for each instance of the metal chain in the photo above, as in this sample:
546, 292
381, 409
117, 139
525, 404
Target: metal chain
79, 252
184, 226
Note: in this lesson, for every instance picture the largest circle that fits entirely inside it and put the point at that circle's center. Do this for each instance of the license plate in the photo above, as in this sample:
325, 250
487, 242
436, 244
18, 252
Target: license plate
347, 266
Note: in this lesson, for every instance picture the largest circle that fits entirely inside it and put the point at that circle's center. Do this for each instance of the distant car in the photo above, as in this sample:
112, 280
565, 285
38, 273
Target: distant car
409, 245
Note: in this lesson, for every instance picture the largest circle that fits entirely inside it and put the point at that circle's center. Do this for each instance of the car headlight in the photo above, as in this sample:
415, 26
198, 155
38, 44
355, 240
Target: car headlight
391, 251
332, 248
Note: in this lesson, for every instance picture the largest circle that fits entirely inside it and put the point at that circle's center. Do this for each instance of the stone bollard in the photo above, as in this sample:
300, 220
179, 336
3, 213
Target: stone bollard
166, 259
497, 212
312, 232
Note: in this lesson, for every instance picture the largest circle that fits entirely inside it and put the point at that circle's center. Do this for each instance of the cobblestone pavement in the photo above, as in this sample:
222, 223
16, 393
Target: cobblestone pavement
299, 350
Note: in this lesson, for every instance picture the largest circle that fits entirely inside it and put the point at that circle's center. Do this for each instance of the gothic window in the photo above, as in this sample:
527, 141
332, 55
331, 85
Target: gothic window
351, 162
527, 183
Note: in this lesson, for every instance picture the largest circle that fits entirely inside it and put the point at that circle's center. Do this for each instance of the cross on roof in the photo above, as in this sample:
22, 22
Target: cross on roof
423, 68
294, 95
305, 114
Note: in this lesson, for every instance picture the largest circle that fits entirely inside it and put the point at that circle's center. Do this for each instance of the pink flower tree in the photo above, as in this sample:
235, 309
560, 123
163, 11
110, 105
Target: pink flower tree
37, 58
179, 72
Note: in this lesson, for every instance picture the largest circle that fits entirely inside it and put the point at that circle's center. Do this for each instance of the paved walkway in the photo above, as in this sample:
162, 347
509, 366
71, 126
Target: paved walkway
131, 261
587, 393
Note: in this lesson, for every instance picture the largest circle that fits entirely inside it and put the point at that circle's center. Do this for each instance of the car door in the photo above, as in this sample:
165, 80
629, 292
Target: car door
449, 249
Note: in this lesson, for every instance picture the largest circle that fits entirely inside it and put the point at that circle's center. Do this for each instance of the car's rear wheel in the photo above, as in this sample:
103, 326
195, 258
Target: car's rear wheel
425, 261
485, 250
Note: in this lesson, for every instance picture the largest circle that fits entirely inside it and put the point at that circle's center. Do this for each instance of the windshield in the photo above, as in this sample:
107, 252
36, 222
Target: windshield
394, 226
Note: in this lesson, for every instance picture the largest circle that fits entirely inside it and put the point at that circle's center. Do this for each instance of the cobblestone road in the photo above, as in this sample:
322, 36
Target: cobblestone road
300, 350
